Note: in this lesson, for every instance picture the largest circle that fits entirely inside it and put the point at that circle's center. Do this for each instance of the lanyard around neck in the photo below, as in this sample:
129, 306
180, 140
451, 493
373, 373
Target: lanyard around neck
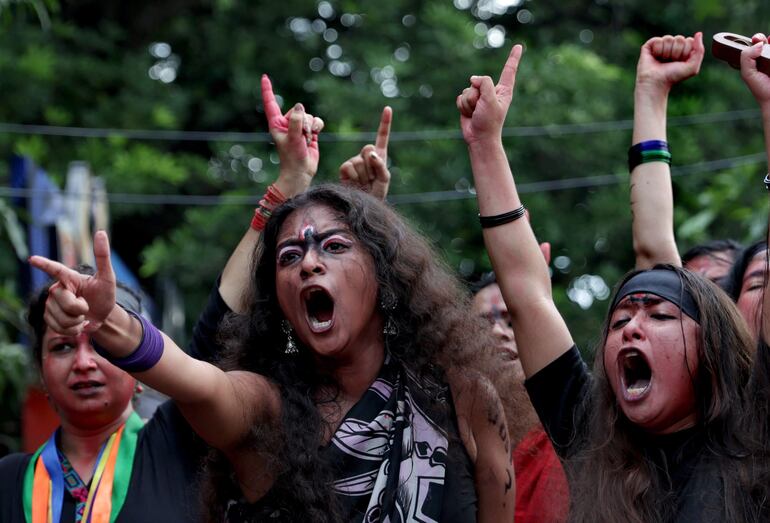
44, 481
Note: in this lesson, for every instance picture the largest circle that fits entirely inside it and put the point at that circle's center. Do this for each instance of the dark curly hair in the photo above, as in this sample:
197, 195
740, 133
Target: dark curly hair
613, 480
434, 333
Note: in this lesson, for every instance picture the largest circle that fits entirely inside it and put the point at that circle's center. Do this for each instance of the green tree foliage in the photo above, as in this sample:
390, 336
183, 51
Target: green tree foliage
195, 65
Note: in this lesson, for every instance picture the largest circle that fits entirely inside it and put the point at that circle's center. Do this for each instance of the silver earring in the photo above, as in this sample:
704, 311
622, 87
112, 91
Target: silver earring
388, 304
390, 329
291, 347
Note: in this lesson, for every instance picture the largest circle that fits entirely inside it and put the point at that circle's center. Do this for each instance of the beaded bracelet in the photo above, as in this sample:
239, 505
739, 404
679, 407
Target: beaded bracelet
648, 151
501, 219
145, 356
272, 199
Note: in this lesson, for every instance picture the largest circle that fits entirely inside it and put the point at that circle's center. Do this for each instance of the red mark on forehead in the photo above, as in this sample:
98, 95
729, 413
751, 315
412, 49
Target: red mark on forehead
307, 232
643, 298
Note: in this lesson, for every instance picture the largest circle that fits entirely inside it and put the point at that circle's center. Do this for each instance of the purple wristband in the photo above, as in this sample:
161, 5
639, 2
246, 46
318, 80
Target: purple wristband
145, 356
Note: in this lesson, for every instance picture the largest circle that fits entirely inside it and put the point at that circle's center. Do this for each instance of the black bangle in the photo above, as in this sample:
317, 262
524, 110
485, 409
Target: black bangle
501, 219
767, 181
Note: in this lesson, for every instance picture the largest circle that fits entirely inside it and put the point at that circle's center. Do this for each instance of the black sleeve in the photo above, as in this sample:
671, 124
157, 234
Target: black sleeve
12, 468
165, 480
204, 345
559, 393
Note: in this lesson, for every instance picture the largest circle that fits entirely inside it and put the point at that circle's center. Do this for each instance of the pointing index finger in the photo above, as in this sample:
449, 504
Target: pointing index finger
272, 111
52, 268
383, 132
508, 76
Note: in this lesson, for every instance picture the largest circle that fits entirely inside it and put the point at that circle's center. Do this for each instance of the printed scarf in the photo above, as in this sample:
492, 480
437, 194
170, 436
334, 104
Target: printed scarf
391, 456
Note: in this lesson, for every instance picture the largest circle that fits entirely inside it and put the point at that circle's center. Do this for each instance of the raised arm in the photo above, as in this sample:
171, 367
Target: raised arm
759, 85
221, 407
296, 138
663, 62
368, 170
541, 334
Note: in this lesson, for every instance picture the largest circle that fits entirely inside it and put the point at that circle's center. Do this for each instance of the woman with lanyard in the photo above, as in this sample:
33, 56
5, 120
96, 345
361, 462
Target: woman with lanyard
104, 463
657, 431
355, 355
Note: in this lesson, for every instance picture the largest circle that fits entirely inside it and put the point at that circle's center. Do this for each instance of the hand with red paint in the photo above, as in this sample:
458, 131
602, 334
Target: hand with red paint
296, 138
78, 302
757, 81
664, 61
484, 105
368, 170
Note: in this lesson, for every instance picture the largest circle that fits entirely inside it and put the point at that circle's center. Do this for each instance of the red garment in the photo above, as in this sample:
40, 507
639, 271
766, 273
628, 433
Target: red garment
542, 495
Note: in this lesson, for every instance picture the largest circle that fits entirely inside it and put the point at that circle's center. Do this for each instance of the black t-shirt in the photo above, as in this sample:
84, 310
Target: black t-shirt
164, 480
561, 394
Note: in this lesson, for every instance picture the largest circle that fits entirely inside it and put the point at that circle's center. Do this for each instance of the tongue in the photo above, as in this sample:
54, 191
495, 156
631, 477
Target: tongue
638, 386
322, 315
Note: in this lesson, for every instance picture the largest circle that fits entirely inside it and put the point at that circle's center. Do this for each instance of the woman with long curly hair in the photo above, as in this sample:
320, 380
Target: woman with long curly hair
356, 390
657, 431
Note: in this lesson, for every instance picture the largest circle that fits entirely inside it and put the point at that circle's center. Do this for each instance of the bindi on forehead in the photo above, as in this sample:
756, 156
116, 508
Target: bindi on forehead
306, 232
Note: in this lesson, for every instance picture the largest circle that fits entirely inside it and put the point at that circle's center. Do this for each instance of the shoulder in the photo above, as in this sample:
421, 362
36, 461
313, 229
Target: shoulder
13, 466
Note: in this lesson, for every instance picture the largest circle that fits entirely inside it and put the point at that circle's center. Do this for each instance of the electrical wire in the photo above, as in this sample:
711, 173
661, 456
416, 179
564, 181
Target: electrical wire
584, 182
363, 137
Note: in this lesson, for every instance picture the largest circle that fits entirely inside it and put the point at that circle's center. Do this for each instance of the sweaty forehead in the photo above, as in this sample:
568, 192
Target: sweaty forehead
309, 221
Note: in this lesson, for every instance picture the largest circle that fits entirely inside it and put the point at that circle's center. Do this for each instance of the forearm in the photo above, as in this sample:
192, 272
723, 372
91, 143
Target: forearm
766, 295
175, 373
513, 248
236, 276
651, 195
219, 406
541, 334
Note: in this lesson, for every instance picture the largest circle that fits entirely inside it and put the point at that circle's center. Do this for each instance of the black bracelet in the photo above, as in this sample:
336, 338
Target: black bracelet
767, 181
501, 219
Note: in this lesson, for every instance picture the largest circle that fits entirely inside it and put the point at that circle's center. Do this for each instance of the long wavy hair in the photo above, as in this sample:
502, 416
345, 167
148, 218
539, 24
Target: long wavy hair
435, 333
613, 480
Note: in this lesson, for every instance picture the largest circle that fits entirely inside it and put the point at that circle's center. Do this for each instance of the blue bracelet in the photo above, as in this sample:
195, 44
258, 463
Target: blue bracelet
648, 151
145, 356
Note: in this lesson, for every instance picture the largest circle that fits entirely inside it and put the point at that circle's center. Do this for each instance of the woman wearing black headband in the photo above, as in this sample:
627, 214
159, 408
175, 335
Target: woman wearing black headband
654, 433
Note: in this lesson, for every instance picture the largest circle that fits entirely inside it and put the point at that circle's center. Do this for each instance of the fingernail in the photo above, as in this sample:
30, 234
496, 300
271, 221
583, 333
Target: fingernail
374, 155
298, 107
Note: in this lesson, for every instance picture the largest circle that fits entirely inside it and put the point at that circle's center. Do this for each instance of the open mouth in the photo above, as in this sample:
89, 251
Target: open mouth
87, 386
636, 375
320, 309
507, 354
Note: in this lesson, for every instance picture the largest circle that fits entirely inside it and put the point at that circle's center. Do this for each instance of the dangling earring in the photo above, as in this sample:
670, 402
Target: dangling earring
390, 329
388, 304
291, 347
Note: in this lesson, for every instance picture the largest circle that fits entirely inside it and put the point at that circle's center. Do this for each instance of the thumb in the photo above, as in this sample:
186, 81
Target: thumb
487, 87
102, 257
545, 248
750, 55
381, 175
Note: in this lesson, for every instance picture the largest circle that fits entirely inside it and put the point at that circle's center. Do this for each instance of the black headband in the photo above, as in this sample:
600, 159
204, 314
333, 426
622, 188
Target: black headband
664, 283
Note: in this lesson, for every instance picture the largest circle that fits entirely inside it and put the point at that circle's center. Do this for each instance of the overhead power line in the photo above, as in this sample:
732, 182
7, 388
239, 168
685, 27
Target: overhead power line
395, 136
414, 198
